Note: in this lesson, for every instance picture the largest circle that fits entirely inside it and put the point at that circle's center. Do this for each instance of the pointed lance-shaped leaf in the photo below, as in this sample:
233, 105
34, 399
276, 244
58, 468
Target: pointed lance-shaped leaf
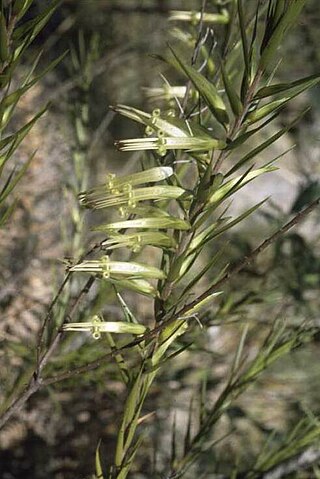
244, 40
17, 138
277, 104
20, 7
233, 97
281, 23
4, 41
30, 29
207, 90
265, 144
235, 184
167, 336
99, 472
138, 285
291, 89
202, 303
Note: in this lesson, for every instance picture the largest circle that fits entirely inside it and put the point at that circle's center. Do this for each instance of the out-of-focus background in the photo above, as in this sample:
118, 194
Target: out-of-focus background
55, 436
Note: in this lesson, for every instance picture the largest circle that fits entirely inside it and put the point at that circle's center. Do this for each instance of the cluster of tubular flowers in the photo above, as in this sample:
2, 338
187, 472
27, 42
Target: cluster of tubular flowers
150, 226
143, 224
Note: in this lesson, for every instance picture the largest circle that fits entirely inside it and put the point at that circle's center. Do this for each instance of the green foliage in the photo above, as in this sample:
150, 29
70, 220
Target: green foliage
15, 38
194, 152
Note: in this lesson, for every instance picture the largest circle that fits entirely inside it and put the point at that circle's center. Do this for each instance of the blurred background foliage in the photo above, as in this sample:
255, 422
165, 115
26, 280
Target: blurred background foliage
56, 435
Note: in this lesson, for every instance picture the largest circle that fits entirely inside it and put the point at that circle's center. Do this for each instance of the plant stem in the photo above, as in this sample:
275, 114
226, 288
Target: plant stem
232, 271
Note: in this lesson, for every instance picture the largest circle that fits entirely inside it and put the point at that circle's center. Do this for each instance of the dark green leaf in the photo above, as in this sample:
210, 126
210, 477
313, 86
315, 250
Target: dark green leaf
207, 90
291, 89
233, 97
266, 143
281, 23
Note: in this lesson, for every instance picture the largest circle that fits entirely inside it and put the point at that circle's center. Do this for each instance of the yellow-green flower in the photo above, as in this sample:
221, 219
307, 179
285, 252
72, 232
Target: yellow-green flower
165, 222
96, 326
164, 143
194, 17
166, 92
136, 241
118, 269
99, 197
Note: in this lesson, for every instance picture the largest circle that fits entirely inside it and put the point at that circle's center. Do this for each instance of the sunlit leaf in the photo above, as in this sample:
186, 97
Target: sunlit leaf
207, 90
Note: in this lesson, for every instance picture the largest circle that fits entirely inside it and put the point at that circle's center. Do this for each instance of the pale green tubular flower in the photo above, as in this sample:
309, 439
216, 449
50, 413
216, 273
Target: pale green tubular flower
136, 241
97, 326
195, 17
168, 125
164, 143
166, 92
165, 222
116, 185
151, 175
140, 286
118, 269
99, 197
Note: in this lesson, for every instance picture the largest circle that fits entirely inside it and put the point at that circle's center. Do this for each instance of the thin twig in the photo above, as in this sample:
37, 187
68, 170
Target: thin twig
48, 317
235, 269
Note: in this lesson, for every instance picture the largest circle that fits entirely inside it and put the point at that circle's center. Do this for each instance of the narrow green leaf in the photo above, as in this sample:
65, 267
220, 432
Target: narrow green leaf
202, 304
20, 7
265, 110
233, 97
201, 273
119, 359
279, 103
244, 39
242, 138
213, 231
284, 23
4, 43
293, 88
133, 399
239, 352
128, 314
140, 286
5, 215
15, 179
99, 472
235, 184
33, 27
265, 144
207, 90
12, 99
18, 137
167, 336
